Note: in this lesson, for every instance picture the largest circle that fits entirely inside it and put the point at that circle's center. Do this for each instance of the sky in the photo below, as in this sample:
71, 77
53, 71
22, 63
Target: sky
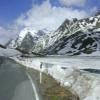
39, 14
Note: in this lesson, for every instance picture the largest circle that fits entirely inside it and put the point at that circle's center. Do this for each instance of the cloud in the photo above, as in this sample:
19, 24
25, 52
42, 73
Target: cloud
3, 32
73, 2
5, 35
48, 16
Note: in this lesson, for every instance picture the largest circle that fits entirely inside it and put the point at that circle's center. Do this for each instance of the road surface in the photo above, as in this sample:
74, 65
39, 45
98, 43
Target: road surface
15, 84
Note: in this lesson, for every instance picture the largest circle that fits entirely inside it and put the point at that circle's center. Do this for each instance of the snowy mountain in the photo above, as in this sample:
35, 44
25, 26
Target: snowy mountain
75, 37
30, 40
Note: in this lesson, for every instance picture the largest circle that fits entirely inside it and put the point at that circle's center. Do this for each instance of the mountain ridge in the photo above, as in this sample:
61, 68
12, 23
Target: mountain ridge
73, 37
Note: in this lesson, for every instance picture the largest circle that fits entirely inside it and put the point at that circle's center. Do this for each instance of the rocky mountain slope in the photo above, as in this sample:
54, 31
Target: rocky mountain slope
73, 37
76, 37
30, 40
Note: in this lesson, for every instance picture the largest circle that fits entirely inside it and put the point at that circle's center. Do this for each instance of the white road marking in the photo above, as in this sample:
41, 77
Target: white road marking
34, 88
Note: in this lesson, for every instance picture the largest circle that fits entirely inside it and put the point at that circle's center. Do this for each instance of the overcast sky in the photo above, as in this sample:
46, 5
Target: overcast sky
39, 14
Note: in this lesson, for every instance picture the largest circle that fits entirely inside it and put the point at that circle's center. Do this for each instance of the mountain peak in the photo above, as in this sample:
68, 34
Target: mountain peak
73, 37
24, 32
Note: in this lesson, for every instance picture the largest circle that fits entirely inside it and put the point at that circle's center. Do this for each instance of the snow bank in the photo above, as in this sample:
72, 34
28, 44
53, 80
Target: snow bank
84, 84
96, 53
9, 52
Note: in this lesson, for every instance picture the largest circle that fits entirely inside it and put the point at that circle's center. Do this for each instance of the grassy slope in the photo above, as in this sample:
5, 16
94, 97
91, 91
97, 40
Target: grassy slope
50, 89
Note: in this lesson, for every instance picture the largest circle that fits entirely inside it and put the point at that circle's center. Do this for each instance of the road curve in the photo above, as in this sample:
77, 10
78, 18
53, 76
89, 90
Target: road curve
14, 82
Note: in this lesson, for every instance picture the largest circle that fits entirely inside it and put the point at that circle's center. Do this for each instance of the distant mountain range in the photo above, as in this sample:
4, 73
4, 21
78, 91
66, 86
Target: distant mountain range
73, 37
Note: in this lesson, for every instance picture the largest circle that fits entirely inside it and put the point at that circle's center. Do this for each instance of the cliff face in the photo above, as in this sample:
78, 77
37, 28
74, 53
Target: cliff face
76, 37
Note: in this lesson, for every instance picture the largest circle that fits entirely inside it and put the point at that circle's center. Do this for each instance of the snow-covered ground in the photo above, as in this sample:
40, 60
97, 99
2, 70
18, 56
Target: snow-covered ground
66, 61
9, 52
66, 70
97, 53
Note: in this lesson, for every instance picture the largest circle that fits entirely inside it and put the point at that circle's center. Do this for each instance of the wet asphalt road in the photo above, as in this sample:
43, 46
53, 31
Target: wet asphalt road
14, 82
